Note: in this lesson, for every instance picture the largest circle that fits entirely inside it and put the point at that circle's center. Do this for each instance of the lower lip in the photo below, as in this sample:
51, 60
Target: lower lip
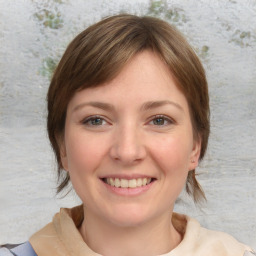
129, 191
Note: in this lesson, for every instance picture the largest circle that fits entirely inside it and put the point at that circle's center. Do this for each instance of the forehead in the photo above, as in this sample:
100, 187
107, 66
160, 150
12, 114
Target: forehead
145, 78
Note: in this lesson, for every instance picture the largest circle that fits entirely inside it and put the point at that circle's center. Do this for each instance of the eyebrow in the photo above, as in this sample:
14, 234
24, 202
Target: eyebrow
155, 104
146, 106
96, 104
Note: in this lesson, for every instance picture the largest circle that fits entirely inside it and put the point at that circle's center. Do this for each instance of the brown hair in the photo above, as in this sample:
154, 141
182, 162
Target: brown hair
99, 53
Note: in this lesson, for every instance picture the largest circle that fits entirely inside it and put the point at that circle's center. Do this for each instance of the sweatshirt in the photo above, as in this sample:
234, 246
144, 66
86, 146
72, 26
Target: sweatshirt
62, 238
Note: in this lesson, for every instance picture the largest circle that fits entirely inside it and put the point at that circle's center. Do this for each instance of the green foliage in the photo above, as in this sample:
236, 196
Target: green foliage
238, 37
203, 53
176, 16
157, 7
48, 13
241, 38
50, 19
161, 9
49, 65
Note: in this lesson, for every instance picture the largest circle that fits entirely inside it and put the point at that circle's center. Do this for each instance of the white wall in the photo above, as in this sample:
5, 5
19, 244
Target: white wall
34, 34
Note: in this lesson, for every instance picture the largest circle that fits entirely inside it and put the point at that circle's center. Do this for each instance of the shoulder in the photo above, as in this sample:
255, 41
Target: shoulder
49, 240
220, 243
200, 241
46, 241
24, 249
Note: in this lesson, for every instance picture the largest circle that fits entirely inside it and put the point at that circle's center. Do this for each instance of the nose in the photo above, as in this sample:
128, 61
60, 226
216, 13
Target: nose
128, 146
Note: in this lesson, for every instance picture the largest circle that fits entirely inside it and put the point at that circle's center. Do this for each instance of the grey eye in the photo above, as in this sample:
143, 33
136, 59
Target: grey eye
96, 121
159, 121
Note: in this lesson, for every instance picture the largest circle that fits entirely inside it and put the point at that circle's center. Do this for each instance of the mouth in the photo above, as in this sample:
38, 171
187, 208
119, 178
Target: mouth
128, 183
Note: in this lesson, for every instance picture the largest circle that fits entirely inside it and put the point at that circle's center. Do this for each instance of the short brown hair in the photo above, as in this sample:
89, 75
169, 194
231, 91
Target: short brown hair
99, 53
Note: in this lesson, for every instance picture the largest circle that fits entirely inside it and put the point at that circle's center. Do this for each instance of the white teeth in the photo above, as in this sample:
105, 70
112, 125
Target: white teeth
111, 182
132, 183
117, 183
139, 182
123, 183
144, 181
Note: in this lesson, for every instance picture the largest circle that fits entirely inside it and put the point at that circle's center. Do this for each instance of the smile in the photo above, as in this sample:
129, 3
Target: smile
124, 183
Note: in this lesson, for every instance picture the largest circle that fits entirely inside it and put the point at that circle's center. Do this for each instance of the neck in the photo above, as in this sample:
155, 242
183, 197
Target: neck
154, 238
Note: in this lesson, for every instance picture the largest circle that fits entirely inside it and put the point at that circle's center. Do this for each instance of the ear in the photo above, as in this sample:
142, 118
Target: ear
63, 155
195, 154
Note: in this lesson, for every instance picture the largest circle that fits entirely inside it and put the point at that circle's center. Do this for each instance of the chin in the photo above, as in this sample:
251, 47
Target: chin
128, 217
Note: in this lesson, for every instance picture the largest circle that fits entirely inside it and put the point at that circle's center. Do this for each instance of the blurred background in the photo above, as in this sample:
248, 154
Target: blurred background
34, 35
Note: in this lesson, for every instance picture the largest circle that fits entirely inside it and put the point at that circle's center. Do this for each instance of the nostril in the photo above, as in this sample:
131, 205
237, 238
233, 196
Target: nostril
127, 149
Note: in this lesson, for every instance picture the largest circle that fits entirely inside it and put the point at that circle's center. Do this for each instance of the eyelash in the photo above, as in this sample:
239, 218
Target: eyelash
164, 118
91, 119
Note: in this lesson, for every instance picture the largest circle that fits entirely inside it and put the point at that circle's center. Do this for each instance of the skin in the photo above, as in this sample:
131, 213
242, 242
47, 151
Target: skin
137, 125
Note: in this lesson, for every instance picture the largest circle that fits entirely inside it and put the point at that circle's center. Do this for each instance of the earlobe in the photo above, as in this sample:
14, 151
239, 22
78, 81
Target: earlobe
195, 154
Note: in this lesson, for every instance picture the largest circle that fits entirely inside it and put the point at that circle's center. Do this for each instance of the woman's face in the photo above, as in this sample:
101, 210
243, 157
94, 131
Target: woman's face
129, 144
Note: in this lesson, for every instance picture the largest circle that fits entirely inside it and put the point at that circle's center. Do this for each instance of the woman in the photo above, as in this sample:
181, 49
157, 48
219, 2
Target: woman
128, 119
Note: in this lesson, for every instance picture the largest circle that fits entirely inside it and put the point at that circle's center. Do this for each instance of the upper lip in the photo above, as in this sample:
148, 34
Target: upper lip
127, 176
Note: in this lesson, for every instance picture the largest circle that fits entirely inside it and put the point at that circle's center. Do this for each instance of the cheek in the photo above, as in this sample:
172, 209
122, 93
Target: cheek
83, 158
172, 154
84, 152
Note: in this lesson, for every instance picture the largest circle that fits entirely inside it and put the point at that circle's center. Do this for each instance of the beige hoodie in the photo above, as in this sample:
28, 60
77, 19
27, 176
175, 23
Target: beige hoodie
62, 238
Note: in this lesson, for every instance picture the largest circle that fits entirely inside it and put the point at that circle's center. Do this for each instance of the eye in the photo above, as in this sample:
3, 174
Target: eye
160, 120
94, 121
